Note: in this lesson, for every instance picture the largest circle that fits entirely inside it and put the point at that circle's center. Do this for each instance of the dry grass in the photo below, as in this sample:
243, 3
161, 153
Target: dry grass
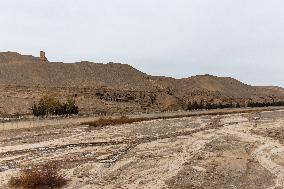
104, 121
39, 177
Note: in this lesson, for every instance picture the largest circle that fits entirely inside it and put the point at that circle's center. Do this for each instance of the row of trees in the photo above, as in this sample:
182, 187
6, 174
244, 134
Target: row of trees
51, 106
265, 104
205, 105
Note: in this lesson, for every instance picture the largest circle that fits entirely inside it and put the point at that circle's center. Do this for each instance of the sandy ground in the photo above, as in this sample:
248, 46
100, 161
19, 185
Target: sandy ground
223, 151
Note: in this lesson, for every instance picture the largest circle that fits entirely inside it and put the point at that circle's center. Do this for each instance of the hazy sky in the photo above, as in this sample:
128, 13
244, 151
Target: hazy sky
179, 38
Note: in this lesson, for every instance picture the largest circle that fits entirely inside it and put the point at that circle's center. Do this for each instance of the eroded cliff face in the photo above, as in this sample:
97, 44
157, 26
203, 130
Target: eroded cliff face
18, 100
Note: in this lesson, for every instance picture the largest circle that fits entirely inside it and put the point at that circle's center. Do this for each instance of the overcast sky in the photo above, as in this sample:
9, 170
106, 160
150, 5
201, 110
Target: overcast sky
243, 39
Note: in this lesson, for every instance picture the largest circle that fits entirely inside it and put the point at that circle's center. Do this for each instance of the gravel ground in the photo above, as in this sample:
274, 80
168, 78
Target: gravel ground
244, 150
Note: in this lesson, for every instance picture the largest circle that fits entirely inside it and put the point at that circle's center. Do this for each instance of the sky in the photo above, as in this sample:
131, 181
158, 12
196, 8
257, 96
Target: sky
243, 39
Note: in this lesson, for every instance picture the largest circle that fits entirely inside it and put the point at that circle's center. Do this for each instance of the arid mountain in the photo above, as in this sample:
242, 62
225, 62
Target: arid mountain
225, 85
114, 87
30, 71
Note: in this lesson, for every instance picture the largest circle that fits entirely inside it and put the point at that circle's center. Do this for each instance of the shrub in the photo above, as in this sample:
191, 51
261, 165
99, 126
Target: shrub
70, 107
50, 106
104, 121
43, 176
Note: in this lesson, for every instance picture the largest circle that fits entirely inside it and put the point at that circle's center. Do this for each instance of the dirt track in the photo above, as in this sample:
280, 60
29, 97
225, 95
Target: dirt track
222, 151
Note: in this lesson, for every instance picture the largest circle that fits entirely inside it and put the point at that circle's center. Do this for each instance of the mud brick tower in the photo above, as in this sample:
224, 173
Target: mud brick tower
42, 56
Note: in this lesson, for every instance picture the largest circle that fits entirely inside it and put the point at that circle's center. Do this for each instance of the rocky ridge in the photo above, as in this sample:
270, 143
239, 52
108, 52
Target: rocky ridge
114, 87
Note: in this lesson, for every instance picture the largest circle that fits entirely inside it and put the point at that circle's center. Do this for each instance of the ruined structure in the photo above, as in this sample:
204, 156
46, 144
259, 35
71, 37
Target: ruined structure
42, 56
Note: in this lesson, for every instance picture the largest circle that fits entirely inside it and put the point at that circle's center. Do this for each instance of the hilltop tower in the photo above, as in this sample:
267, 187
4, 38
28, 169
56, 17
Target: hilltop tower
42, 56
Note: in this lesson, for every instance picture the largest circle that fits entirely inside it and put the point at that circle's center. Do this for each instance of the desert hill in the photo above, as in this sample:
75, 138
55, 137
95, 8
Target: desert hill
114, 87
225, 85
29, 71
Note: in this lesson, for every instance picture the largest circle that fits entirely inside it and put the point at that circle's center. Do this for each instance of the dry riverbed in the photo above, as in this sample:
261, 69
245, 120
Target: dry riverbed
202, 152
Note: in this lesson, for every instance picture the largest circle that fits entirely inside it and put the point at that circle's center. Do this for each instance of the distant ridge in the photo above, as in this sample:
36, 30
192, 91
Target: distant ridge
27, 71
14, 57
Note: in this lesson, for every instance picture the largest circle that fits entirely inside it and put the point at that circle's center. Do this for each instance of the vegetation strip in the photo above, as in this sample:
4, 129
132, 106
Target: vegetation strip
105, 121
